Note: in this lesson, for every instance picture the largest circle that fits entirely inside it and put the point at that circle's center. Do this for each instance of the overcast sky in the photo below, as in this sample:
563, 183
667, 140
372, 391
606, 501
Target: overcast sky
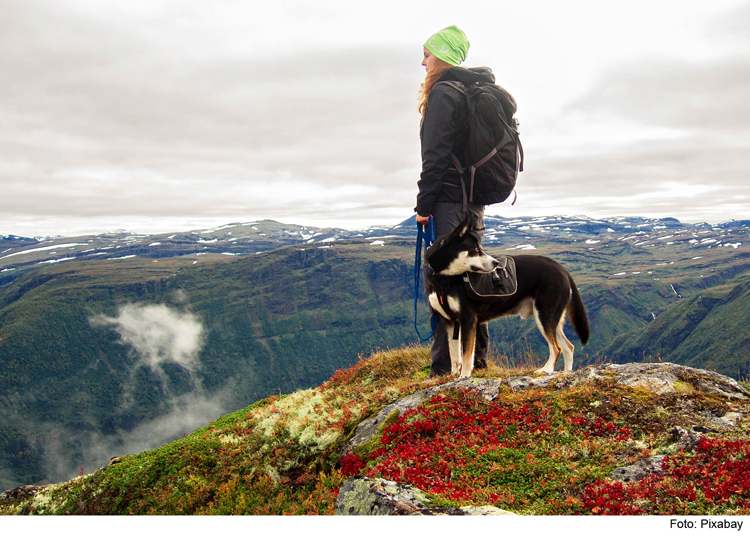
164, 115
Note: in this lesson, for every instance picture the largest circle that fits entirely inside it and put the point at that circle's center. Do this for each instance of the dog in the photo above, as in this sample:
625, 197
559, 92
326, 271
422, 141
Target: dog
544, 289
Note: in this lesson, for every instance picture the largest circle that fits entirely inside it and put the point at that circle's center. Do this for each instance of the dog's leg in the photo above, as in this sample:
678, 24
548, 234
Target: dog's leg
454, 346
550, 335
468, 344
469, 341
567, 347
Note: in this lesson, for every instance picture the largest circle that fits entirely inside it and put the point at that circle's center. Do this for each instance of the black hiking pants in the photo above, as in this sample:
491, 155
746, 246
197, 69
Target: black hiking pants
447, 216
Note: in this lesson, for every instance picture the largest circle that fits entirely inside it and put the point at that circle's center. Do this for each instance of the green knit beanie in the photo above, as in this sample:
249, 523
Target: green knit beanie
449, 45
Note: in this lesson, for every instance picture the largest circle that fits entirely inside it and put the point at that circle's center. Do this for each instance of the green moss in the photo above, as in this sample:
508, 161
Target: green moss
365, 450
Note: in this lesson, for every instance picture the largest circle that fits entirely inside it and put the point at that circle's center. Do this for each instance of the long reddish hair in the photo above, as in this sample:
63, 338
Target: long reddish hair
429, 82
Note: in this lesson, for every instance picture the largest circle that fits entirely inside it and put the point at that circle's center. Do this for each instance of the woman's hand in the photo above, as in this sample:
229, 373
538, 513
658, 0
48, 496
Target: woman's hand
422, 220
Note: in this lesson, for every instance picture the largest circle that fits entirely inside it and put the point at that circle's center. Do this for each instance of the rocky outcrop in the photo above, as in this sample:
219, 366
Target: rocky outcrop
364, 496
659, 378
21, 492
377, 497
638, 471
730, 419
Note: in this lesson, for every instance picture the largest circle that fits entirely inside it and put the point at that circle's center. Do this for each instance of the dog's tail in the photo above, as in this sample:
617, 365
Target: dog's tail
577, 313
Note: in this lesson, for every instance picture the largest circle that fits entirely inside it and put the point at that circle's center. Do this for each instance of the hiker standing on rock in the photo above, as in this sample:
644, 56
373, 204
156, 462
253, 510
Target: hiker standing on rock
444, 132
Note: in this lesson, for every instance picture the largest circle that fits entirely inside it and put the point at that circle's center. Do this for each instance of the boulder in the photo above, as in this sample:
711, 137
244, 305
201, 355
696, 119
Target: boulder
638, 471
21, 492
378, 497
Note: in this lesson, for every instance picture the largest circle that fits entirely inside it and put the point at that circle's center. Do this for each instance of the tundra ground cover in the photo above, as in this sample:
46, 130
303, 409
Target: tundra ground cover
714, 480
538, 451
544, 453
515, 453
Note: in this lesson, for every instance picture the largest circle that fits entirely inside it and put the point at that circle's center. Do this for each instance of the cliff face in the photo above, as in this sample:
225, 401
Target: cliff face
382, 438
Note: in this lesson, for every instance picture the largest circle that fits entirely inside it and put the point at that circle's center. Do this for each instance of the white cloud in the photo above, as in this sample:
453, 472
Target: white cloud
157, 334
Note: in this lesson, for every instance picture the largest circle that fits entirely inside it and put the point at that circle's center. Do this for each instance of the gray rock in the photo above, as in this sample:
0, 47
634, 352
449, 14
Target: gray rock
703, 429
662, 377
377, 497
730, 419
687, 439
484, 511
659, 378
524, 382
638, 471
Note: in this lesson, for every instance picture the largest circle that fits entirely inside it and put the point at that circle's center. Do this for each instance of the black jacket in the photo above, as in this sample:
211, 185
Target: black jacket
444, 132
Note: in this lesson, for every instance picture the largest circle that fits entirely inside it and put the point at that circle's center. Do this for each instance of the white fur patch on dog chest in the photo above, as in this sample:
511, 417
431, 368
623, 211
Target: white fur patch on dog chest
435, 305
453, 304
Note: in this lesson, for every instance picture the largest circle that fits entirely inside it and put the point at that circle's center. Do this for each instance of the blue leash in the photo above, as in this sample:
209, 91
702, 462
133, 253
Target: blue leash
428, 235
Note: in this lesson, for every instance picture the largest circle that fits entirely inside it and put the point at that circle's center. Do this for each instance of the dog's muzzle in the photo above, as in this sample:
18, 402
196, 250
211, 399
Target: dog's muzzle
494, 263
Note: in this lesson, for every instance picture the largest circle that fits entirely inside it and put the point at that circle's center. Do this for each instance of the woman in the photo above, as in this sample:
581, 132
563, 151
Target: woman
443, 133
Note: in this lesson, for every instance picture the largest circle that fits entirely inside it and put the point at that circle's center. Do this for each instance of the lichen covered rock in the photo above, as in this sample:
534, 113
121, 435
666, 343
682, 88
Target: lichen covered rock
657, 378
378, 497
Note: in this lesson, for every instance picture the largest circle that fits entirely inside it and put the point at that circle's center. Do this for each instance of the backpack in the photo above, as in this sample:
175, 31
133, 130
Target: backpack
494, 150
489, 288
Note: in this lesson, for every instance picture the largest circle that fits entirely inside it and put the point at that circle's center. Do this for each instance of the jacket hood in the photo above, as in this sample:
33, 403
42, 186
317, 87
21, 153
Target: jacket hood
468, 76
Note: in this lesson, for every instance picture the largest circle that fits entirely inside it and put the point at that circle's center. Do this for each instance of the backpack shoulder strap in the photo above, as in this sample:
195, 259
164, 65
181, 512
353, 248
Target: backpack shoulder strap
457, 85
464, 91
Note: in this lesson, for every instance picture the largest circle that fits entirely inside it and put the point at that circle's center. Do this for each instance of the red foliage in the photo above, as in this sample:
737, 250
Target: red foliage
351, 465
439, 447
467, 450
600, 427
718, 473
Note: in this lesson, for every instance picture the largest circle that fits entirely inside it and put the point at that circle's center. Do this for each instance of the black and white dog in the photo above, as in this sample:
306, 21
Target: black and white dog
545, 290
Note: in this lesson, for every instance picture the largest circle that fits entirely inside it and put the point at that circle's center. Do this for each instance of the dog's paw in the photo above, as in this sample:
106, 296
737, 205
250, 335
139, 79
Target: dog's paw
544, 372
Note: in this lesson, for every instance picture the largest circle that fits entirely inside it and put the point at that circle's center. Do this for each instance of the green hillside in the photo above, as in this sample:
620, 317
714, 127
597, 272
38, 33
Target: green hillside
709, 330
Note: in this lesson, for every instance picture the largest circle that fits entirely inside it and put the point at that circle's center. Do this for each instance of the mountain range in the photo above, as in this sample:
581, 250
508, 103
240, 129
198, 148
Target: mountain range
19, 254
116, 343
